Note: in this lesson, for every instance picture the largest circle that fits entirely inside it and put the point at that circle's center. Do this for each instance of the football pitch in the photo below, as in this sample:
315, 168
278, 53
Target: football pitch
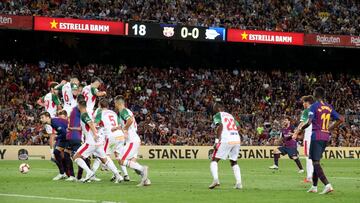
182, 181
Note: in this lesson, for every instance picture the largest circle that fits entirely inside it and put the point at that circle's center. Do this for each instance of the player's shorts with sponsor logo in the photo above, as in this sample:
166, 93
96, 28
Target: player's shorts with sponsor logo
87, 150
227, 150
129, 151
291, 152
317, 148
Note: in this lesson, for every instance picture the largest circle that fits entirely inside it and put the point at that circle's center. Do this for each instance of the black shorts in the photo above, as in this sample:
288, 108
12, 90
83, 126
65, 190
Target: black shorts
74, 145
291, 152
317, 148
62, 143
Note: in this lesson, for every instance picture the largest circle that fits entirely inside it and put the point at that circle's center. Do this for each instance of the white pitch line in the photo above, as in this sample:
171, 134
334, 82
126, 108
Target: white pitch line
44, 197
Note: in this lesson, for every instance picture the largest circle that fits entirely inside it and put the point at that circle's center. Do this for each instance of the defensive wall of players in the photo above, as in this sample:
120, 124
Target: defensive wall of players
178, 152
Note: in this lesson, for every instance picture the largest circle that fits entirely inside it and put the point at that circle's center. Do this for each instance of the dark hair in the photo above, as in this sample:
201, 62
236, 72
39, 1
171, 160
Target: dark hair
119, 98
308, 98
83, 84
104, 103
62, 112
45, 113
82, 103
319, 93
53, 85
94, 79
80, 97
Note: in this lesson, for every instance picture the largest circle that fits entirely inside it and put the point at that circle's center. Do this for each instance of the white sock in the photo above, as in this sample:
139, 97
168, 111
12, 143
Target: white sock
110, 164
214, 170
124, 170
237, 173
80, 162
309, 168
133, 165
96, 165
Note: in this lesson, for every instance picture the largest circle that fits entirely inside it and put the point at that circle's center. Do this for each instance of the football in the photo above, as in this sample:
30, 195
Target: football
24, 168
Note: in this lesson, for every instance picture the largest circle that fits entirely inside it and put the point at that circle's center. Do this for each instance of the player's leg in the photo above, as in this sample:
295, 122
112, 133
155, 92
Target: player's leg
109, 163
221, 152
69, 165
59, 162
233, 156
117, 149
128, 158
320, 148
277, 152
83, 152
309, 164
294, 155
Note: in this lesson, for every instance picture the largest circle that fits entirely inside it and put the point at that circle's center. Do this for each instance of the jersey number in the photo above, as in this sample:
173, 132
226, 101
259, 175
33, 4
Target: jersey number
230, 124
325, 117
66, 97
113, 122
86, 96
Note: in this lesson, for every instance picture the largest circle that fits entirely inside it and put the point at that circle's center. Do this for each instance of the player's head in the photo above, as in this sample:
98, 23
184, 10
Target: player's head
62, 114
82, 106
217, 107
319, 93
80, 97
307, 101
45, 117
74, 80
96, 82
286, 121
104, 104
81, 86
119, 102
75, 89
52, 87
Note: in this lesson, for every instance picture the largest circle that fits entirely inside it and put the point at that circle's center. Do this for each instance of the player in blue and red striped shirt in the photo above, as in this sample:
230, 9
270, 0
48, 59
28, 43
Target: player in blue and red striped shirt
320, 115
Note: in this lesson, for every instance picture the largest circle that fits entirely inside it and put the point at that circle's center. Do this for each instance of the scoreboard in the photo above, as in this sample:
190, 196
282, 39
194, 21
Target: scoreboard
176, 32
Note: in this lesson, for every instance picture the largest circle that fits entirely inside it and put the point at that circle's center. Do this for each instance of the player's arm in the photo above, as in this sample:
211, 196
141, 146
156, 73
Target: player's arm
56, 101
339, 120
41, 101
218, 128
98, 93
59, 86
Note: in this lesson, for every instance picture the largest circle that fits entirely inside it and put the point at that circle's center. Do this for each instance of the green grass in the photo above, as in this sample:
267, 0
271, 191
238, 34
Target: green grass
185, 181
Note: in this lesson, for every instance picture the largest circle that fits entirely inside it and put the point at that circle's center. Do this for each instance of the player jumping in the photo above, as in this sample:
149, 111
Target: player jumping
228, 147
127, 157
69, 92
90, 93
320, 115
289, 146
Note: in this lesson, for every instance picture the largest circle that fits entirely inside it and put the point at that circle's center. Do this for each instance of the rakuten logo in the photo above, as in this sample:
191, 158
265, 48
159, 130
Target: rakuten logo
5, 20
355, 40
328, 39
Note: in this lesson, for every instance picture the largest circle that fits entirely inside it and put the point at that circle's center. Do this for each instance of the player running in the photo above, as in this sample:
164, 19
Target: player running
69, 91
289, 146
228, 147
59, 124
90, 93
320, 115
114, 140
307, 101
127, 156
92, 146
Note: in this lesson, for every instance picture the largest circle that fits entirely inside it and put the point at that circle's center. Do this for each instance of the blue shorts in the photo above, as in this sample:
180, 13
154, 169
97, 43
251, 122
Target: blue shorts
317, 148
62, 143
291, 152
74, 145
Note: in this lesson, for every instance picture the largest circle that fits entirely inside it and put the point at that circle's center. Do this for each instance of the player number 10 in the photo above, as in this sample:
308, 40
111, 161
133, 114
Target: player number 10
139, 29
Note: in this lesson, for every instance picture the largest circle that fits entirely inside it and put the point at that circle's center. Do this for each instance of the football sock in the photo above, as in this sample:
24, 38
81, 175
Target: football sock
124, 170
69, 164
110, 164
96, 165
298, 163
133, 165
320, 173
214, 170
80, 170
276, 159
237, 173
59, 161
315, 179
309, 168
80, 162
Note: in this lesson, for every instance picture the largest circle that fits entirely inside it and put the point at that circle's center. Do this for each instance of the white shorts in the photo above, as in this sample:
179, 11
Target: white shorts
113, 145
87, 150
226, 151
49, 129
129, 151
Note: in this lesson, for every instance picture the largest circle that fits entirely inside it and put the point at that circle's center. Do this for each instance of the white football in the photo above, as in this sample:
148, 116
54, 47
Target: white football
24, 168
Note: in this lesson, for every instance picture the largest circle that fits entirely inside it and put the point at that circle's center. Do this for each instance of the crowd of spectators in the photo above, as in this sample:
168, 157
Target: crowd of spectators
309, 16
173, 106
